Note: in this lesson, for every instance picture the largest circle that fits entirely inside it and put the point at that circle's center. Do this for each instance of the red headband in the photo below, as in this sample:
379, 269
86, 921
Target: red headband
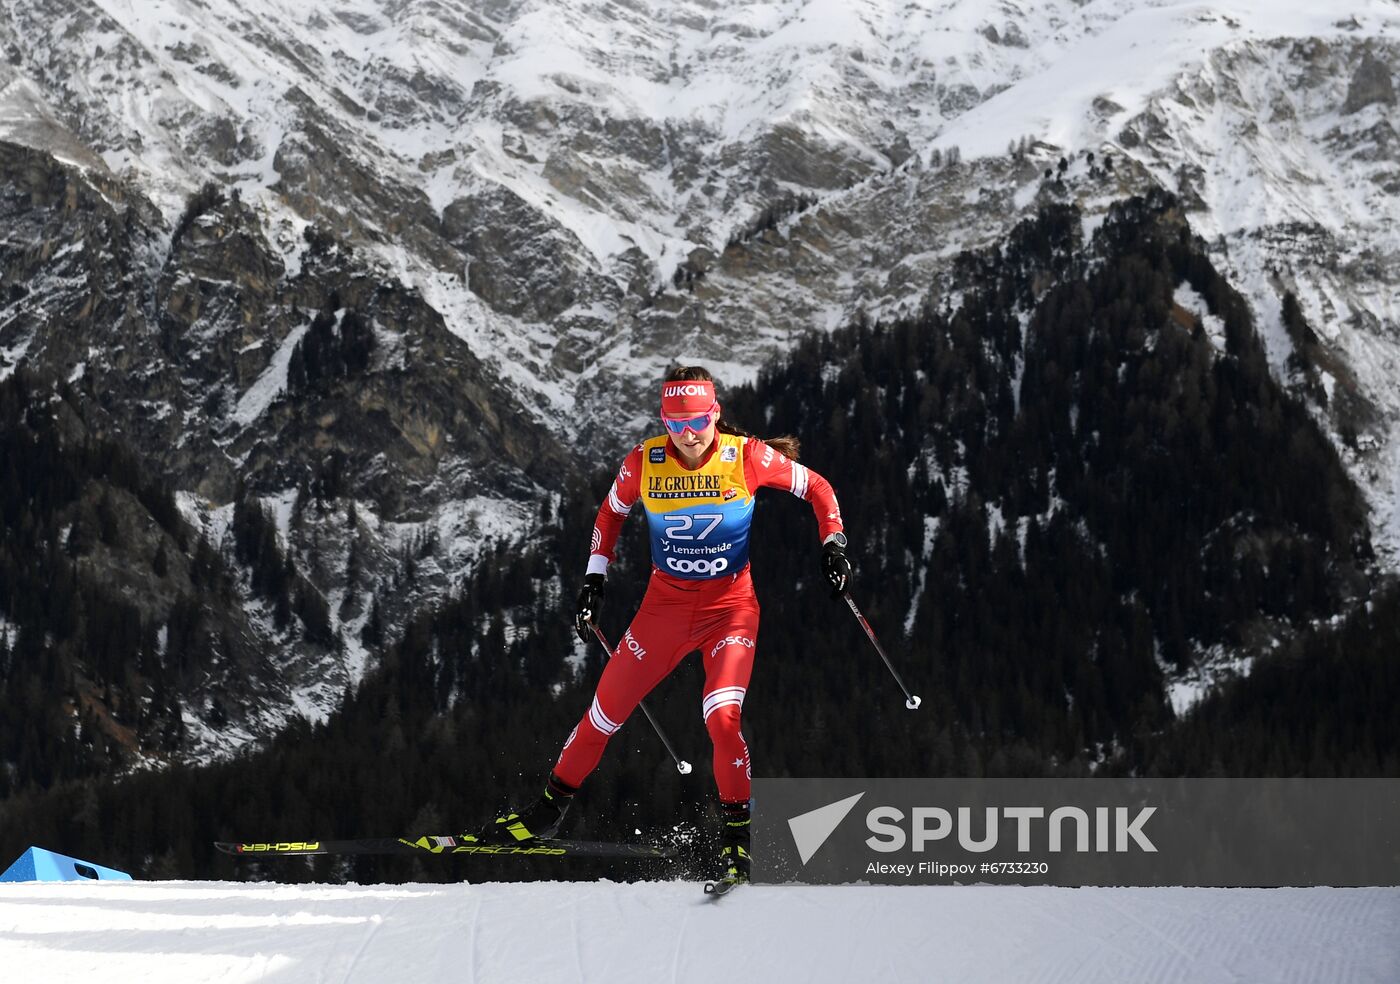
683, 398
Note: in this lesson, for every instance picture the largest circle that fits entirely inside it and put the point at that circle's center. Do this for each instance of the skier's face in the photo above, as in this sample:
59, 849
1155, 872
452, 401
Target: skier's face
691, 444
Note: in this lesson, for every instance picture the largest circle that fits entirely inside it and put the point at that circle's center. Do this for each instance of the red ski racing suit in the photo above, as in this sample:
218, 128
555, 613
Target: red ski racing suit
700, 595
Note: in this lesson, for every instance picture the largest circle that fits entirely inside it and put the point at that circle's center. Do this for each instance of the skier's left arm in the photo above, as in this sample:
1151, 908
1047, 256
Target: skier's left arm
765, 466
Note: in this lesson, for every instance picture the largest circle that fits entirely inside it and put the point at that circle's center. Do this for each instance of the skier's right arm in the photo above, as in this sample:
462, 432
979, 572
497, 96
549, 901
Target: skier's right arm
621, 497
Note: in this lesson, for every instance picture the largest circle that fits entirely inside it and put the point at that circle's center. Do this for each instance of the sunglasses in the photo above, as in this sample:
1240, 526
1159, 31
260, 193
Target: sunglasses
697, 424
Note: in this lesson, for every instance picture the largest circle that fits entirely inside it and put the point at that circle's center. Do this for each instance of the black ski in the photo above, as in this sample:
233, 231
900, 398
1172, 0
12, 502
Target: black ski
453, 845
722, 887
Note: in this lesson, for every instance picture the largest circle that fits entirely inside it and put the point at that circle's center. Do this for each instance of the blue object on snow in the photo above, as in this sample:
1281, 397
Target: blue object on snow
37, 864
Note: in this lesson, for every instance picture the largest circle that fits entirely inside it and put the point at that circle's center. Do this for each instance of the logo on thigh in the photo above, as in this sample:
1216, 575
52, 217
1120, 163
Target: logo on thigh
744, 641
633, 646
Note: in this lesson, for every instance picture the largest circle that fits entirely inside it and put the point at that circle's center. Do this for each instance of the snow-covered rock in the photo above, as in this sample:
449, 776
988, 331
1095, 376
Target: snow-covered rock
572, 194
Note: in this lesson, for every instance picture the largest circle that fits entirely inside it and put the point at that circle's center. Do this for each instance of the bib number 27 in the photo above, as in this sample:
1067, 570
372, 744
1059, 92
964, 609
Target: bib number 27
679, 527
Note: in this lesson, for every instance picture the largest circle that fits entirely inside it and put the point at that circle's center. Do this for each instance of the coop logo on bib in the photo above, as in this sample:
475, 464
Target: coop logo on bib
700, 566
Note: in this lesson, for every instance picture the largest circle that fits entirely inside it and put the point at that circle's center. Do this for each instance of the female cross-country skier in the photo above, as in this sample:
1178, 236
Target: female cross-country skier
696, 483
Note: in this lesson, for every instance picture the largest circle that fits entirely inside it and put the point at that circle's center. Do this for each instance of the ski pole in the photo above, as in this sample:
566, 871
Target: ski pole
913, 702
682, 766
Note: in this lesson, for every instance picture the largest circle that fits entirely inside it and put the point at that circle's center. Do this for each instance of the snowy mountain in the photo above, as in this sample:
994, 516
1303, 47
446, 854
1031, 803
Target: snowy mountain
655, 931
537, 204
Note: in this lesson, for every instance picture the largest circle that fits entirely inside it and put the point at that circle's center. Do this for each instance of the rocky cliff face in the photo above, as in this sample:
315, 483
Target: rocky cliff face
332, 393
1372, 84
398, 255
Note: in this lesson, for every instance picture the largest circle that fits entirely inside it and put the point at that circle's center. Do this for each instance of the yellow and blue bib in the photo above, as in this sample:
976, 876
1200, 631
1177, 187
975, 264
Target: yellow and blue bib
698, 520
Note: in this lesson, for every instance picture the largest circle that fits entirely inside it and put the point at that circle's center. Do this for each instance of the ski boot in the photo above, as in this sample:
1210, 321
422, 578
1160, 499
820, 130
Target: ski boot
734, 842
539, 821
733, 849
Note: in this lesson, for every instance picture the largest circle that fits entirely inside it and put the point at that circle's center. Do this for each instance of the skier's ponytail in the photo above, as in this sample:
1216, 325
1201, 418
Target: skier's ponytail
786, 445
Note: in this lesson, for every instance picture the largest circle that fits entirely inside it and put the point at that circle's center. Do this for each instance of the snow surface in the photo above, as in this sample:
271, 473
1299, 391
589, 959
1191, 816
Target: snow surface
273, 382
182, 932
1210, 669
1193, 302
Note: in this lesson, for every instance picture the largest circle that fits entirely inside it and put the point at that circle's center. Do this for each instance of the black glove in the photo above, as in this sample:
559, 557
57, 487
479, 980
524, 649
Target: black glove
590, 602
835, 567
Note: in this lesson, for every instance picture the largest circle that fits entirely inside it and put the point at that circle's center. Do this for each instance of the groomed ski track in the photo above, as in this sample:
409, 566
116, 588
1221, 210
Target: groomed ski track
167, 932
